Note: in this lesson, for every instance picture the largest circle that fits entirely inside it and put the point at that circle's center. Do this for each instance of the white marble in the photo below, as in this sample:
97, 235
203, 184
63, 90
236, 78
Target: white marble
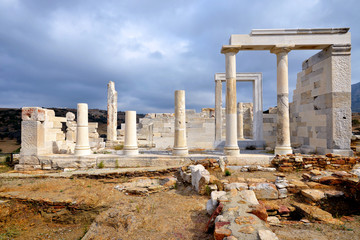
180, 142
231, 147
130, 143
111, 113
82, 146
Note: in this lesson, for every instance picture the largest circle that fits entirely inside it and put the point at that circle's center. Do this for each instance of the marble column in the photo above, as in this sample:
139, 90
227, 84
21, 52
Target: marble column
130, 143
180, 143
82, 131
218, 110
231, 146
283, 145
111, 114
240, 121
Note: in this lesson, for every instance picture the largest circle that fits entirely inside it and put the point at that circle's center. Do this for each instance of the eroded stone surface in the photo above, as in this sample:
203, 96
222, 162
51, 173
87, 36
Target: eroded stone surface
317, 213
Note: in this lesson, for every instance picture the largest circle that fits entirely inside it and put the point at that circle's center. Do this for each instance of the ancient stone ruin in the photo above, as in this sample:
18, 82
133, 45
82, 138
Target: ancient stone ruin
240, 137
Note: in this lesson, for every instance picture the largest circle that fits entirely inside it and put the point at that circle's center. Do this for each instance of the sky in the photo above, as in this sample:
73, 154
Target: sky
60, 53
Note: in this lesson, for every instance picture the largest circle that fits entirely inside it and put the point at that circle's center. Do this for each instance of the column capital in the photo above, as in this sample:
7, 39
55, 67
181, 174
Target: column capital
281, 49
231, 51
337, 49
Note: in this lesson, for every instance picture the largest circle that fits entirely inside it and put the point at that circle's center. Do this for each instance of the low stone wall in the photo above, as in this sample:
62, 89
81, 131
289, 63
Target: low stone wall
294, 162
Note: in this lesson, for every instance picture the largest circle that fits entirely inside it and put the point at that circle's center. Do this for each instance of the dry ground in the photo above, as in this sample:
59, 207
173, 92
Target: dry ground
8, 145
59, 208
175, 214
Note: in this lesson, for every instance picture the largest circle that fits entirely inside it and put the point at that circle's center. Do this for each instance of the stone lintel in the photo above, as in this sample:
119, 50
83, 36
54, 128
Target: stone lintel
301, 39
245, 77
299, 31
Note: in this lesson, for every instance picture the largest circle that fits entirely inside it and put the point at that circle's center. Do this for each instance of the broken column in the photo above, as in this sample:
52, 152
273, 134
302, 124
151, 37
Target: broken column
283, 145
231, 146
82, 131
240, 121
130, 143
180, 144
111, 115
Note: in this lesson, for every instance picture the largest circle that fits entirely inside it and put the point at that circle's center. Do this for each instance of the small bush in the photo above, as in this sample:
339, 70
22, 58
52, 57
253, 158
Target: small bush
227, 172
119, 147
355, 122
207, 190
17, 151
116, 163
8, 160
101, 164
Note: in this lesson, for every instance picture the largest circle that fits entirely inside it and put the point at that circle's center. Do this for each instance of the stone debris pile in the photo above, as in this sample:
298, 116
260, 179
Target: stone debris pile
292, 162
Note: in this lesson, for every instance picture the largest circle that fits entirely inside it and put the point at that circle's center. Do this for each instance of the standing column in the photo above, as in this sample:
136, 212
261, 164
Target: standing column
218, 110
240, 121
130, 143
111, 114
283, 145
180, 145
231, 146
82, 131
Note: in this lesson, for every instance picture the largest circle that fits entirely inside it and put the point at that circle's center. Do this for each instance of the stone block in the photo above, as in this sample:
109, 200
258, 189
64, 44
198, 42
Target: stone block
313, 194
33, 114
265, 190
197, 173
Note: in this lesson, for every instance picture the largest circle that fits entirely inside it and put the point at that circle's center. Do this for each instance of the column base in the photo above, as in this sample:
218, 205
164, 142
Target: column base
180, 151
232, 151
283, 150
82, 152
130, 151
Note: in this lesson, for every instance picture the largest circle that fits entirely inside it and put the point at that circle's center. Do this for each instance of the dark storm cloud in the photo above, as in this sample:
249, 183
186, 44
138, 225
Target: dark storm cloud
59, 53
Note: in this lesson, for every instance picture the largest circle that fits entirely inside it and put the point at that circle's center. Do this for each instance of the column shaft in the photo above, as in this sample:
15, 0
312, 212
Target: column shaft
231, 147
130, 143
283, 145
82, 131
180, 143
218, 110
111, 113
240, 121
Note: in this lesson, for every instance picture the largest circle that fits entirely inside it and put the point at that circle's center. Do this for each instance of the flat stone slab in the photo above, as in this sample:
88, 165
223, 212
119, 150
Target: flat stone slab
250, 159
67, 161
86, 173
317, 213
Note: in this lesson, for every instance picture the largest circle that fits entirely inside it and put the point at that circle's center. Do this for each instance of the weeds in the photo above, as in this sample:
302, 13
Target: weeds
11, 233
207, 190
119, 147
227, 172
101, 164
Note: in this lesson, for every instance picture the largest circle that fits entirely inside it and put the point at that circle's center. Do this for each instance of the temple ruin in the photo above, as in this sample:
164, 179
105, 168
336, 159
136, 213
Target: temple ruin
318, 119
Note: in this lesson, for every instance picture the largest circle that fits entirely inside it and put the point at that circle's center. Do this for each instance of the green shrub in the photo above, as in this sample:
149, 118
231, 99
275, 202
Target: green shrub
207, 190
101, 164
17, 151
227, 172
355, 122
119, 147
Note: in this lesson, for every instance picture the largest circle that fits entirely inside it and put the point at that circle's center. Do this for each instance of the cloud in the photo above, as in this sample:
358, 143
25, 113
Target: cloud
59, 53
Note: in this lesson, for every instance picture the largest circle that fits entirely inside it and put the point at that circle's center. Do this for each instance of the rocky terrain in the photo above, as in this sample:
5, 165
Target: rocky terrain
302, 202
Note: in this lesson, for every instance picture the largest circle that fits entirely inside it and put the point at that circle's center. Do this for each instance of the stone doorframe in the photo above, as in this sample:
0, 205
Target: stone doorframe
256, 79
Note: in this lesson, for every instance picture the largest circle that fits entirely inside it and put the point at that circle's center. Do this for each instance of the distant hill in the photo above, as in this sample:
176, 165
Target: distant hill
355, 97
